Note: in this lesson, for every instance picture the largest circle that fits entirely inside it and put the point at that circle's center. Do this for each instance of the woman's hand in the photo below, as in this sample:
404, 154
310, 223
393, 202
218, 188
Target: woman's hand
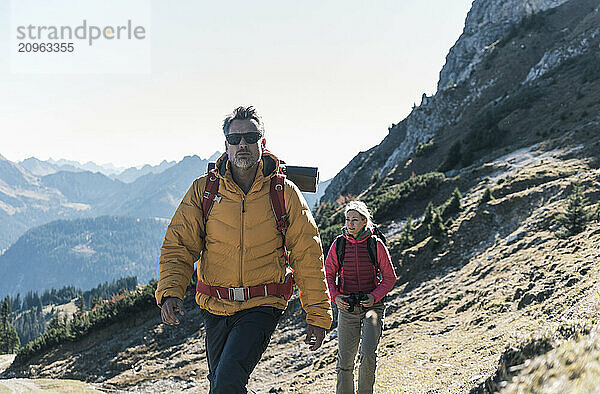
340, 301
369, 301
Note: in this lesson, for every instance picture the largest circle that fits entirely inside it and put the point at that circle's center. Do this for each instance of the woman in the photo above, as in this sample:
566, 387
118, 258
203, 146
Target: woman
358, 295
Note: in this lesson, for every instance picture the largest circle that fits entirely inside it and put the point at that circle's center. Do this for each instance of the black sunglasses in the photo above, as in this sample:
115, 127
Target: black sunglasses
250, 138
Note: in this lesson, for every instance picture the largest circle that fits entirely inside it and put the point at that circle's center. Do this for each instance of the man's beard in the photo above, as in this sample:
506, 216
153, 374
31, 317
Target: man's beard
244, 162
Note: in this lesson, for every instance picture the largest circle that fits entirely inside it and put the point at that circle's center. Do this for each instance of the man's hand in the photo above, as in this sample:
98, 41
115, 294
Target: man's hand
167, 311
314, 336
340, 301
369, 301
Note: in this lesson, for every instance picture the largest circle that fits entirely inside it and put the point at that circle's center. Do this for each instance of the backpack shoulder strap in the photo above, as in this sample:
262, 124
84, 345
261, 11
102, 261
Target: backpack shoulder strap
377, 232
210, 194
372, 248
278, 204
340, 250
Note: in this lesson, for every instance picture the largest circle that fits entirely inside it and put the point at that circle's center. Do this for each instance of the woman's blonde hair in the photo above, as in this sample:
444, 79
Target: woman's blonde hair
362, 209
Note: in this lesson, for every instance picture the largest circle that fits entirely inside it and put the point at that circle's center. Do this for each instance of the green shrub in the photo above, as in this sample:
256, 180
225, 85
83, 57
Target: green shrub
376, 177
452, 206
9, 340
436, 227
453, 157
485, 197
324, 214
576, 218
406, 239
425, 149
386, 204
328, 235
428, 215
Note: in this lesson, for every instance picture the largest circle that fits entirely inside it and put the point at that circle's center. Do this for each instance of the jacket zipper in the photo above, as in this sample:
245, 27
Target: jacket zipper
357, 264
242, 241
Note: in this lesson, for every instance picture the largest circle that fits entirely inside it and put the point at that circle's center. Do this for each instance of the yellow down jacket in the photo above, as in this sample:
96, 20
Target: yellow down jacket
241, 246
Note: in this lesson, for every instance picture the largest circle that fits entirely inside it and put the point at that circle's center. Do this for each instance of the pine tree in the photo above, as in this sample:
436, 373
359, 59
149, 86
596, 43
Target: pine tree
453, 205
486, 196
406, 239
36, 300
9, 340
5, 313
55, 322
80, 304
375, 177
429, 212
95, 301
436, 227
17, 303
576, 218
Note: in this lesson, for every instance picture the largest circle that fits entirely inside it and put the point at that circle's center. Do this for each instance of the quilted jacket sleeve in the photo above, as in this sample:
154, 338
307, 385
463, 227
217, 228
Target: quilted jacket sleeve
183, 243
388, 275
306, 259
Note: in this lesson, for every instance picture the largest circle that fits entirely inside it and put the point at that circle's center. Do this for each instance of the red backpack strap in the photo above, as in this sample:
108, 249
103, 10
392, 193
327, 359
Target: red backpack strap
283, 223
278, 204
210, 194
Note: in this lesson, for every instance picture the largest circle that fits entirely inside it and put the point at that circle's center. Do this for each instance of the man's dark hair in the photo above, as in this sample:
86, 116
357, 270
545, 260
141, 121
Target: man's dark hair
243, 113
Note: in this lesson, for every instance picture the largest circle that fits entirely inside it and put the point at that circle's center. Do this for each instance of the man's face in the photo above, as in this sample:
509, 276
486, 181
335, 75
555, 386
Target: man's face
244, 155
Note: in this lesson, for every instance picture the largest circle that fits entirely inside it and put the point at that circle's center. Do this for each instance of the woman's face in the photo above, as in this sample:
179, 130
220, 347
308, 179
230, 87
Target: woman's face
355, 223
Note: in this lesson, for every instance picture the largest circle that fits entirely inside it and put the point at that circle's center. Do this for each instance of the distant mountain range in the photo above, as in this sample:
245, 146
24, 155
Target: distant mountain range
106, 169
35, 192
127, 175
82, 253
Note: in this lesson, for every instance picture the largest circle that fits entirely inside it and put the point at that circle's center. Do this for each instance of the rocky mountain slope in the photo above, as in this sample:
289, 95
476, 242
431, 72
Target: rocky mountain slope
25, 202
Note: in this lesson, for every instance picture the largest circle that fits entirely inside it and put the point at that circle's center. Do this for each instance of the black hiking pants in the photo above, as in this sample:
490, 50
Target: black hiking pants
235, 344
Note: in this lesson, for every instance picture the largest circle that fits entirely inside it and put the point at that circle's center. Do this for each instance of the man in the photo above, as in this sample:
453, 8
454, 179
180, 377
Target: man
240, 249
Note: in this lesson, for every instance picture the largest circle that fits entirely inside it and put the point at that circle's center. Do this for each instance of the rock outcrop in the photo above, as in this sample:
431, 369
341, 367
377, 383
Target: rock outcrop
465, 83
487, 22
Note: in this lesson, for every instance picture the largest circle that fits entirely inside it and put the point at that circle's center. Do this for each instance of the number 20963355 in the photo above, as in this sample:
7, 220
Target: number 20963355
46, 47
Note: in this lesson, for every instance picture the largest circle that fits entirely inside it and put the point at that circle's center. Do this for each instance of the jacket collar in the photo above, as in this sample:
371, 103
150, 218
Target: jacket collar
362, 237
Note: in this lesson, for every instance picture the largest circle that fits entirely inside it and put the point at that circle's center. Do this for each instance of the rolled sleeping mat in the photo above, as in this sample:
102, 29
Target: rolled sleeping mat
306, 178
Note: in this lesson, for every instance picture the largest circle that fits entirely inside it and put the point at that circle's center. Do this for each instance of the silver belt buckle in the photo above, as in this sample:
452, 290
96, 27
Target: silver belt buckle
237, 293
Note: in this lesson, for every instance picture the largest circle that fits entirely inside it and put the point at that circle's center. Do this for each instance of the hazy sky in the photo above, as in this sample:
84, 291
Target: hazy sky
328, 77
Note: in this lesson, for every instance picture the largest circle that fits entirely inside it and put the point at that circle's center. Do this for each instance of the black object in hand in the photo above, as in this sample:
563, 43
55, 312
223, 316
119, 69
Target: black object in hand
355, 299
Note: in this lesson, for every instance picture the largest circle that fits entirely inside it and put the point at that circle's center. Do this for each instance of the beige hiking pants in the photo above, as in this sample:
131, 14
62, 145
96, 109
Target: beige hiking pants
364, 325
